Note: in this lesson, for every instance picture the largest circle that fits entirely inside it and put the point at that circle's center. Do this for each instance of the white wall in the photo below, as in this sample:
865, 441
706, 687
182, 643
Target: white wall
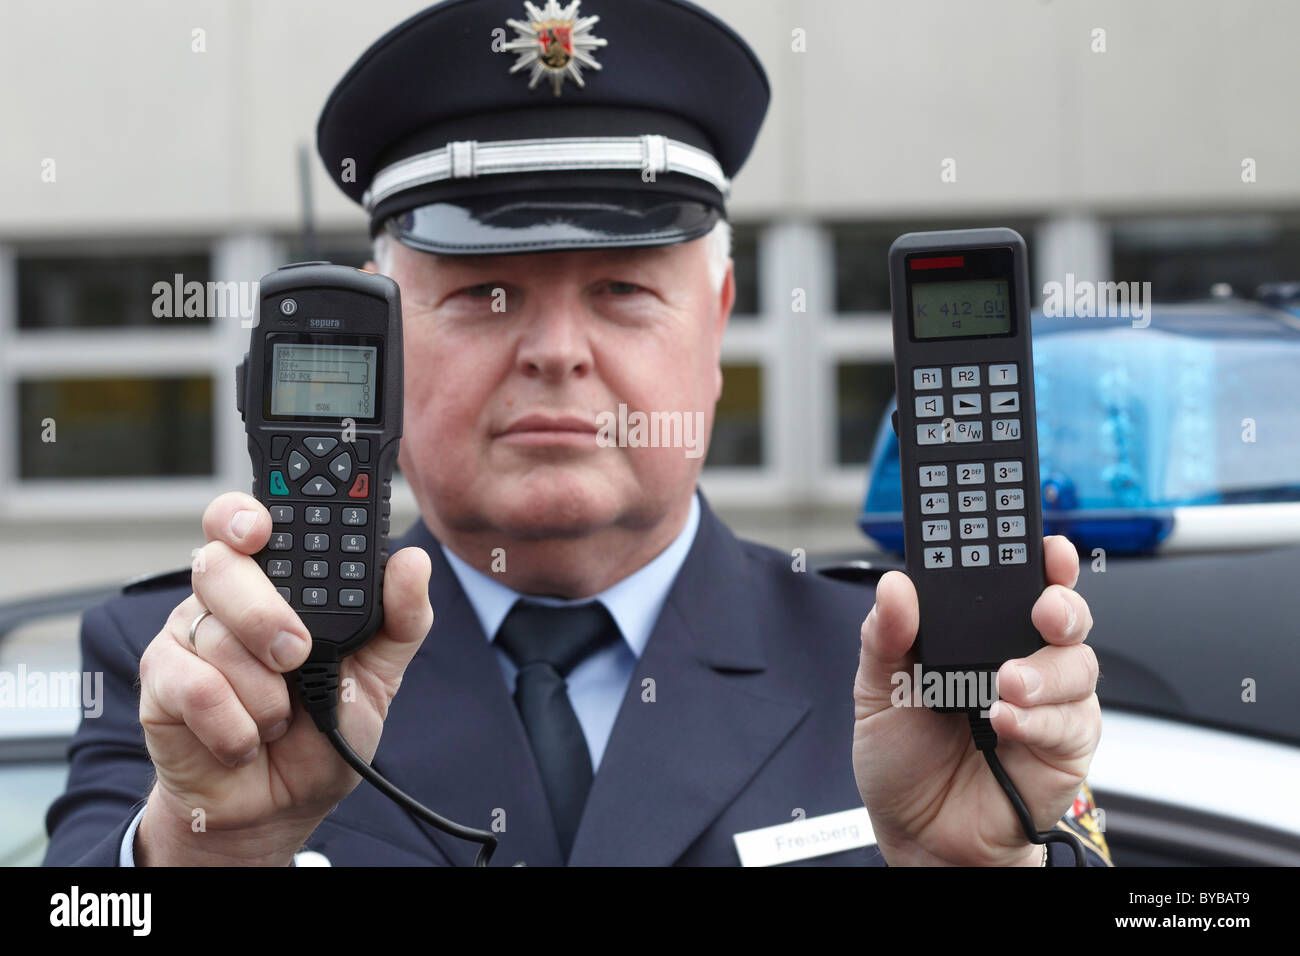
149, 136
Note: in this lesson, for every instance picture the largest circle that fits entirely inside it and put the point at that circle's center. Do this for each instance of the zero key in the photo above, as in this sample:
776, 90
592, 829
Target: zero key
361, 487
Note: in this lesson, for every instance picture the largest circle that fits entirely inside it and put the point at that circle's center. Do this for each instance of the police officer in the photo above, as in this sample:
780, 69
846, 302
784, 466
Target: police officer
590, 663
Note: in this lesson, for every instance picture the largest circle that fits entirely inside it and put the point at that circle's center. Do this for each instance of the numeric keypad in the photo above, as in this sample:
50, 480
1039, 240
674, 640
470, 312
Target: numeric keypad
972, 498
319, 548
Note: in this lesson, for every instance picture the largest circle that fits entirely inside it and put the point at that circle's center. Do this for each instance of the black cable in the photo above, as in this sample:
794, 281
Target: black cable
986, 740
318, 683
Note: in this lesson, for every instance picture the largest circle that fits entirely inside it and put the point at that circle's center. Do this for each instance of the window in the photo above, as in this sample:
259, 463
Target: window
862, 393
1183, 258
862, 266
98, 291
738, 422
744, 255
98, 382
115, 427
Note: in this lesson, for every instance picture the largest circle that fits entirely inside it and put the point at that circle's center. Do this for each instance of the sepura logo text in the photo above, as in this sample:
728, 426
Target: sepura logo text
324, 324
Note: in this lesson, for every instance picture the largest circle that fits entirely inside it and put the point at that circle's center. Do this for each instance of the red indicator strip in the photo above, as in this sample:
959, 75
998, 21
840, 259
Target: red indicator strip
939, 262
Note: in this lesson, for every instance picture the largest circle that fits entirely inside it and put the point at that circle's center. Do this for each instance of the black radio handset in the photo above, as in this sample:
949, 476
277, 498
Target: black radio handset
320, 391
324, 420
968, 452
967, 447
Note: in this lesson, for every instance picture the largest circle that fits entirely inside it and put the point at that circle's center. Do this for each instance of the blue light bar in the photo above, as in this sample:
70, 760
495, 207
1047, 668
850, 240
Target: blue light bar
1198, 408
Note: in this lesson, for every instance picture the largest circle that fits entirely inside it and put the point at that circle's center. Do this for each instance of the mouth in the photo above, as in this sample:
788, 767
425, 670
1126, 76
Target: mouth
536, 429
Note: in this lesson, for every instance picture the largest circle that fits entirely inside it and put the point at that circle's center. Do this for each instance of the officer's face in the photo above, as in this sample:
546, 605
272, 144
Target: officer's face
513, 363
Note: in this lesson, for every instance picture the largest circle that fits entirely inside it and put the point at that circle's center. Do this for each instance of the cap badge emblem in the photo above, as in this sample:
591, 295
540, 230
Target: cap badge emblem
554, 43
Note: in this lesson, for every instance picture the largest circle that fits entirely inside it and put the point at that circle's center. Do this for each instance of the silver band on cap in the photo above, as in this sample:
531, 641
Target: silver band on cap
470, 158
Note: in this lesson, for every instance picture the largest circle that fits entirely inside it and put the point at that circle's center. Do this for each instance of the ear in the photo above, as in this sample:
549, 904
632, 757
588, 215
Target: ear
726, 300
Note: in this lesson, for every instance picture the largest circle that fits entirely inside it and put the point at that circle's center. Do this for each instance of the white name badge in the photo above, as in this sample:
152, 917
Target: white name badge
803, 839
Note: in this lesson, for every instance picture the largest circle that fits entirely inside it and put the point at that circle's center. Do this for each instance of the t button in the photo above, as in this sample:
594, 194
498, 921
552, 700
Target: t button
361, 487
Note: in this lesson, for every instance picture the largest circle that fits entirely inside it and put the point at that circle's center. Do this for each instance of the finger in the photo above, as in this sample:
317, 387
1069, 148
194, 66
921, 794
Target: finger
1061, 560
407, 617
239, 520
184, 699
1050, 675
242, 597
1065, 731
262, 691
1061, 615
888, 633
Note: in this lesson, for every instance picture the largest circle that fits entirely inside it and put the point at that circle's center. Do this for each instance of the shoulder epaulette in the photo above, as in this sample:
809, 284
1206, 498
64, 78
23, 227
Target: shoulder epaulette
858, 572
158, 582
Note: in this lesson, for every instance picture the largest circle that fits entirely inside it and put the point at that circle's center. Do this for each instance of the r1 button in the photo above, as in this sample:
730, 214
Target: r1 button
361, 487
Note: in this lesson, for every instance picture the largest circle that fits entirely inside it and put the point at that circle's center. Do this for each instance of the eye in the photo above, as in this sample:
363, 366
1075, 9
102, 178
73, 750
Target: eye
617, 287
481, 291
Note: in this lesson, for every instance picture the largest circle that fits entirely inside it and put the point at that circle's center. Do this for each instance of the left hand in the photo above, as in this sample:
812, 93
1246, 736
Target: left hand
930, 794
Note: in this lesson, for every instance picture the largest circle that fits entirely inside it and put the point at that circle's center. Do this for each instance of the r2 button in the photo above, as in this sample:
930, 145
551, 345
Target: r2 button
361, 487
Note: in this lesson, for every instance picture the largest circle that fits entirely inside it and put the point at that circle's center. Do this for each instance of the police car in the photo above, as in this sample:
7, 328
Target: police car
1170, 456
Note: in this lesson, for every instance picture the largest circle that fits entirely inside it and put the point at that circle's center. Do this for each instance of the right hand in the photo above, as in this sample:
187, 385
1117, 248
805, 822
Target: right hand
225, 733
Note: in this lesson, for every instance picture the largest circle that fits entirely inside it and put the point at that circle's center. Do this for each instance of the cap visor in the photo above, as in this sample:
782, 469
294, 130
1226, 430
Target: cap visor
538, 222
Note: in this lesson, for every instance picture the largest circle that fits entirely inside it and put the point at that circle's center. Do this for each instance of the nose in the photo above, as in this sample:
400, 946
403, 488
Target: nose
554, 344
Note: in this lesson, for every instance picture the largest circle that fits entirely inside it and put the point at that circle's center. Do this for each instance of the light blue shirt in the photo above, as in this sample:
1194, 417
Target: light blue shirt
597, 685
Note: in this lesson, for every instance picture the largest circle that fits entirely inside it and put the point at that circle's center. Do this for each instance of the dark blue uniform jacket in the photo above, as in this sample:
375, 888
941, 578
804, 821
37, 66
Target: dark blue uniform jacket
752, 718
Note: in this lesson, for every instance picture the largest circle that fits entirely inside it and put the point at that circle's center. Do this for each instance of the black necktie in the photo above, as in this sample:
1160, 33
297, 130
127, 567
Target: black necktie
546, 643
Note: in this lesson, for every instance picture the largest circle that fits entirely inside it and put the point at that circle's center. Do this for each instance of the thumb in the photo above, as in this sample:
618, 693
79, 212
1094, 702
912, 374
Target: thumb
887, 636
407, 617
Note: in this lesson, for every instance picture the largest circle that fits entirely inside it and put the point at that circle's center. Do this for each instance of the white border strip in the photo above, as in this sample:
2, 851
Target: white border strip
1246, 527
1213, 771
